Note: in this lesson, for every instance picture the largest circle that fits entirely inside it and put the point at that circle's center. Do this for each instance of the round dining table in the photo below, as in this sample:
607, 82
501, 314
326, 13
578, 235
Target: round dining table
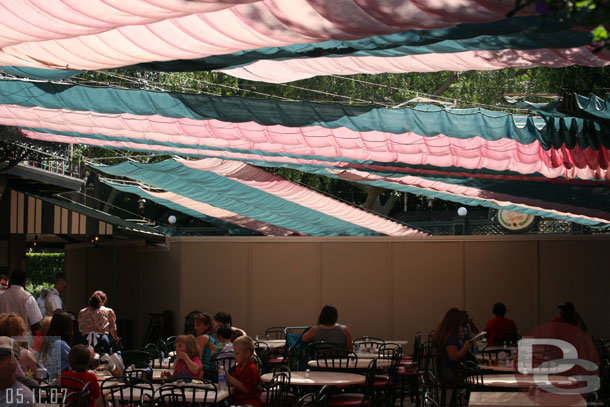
318, 378
356, 364
524, 381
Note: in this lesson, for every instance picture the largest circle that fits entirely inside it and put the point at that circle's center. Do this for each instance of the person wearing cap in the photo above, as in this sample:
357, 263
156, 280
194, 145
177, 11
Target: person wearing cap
568, 315
16, 299
12, 392
500, 329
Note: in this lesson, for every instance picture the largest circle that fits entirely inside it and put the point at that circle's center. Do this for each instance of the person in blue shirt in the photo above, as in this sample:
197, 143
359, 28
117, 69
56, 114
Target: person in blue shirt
449, 348
57, 343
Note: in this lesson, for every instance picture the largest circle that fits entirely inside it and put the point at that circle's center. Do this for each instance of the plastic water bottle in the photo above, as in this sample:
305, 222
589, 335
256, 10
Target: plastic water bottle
222, 379
307, 373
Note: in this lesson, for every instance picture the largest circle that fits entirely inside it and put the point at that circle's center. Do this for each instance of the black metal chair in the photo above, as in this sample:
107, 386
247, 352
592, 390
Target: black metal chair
263, 351
312, 350
204, 394
122, 391
80, 392
367, 344
226, 361
137, 358
364, 397
275, 332
170, 400
330, 359
275, 393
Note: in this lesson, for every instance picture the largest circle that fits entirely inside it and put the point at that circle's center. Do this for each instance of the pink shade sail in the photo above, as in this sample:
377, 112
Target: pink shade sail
339, 146
281, 71
262, 180
98, 35
223, 214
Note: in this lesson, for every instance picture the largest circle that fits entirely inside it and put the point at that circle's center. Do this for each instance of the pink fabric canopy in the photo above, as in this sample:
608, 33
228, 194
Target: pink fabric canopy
307, 144
105, 34
295, 69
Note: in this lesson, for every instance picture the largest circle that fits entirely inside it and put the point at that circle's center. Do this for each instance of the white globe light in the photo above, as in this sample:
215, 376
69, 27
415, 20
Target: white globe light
462, 211
171, 219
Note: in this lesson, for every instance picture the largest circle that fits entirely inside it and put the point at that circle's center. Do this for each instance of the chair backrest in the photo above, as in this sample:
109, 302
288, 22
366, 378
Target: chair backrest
79, 391
493, 354
53, 394
205, 393
263, 351
126, 393
307, 400
331, 360
473, 376
277, 389
300, 330
313, 349
170, 400
226, 361
139, 375
368, 343
275, 332
137, 358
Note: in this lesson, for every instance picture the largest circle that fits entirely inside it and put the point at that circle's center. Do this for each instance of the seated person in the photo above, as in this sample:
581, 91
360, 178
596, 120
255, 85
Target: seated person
450, 350
79, 358
224, 346
246, 379
568, 314
12, 392
500, 329
13, 326
56, 345
328, 330
467, 328
187, 364
224, 318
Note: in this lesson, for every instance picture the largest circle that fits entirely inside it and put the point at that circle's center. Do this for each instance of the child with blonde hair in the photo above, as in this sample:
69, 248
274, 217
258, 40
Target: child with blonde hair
246, 379
187, 364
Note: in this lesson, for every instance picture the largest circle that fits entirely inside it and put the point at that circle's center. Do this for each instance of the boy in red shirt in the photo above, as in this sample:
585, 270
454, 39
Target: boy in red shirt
246, 379
79, 358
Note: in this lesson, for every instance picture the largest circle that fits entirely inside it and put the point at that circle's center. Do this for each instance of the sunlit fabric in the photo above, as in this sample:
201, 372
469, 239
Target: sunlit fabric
234, 223
520, 33
297, 69
254, 193
574, 105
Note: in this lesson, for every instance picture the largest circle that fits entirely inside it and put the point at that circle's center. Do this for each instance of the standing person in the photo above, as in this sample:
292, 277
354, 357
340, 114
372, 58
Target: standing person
328, 330
500, 329
204, 327
40, 300
16, 299
96, 323
53, 299
246, 379
12, 392
224, 318
3, 282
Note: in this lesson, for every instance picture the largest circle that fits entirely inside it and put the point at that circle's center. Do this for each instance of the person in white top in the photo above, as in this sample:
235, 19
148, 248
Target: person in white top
16, 299
53, 299
40, 301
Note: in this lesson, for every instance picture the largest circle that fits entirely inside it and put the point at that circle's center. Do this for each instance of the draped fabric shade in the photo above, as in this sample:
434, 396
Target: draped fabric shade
205, 185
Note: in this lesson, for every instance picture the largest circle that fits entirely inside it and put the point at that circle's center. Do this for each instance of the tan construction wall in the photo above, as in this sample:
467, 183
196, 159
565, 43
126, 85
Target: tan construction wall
385, 287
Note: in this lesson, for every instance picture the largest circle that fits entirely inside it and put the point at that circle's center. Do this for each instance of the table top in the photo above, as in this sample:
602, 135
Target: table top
199, 395
104, 374
274, 343
358, 364
519, 399
320, 378
519, 380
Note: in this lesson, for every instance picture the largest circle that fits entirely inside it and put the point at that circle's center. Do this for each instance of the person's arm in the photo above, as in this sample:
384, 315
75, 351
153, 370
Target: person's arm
454, 354
33, 314
54, 303
112, 322
348, 335
308, 336
192, 367
202, 342
239, 386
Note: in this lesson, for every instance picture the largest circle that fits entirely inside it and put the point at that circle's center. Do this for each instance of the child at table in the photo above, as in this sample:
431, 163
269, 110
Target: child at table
223, 346
187, 364
79, 358
246, 380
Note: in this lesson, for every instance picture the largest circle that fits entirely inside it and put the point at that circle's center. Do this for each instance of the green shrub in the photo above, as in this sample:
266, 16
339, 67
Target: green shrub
44, 268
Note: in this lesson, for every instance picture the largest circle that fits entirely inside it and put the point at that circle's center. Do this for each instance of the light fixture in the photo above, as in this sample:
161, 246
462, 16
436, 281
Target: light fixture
171, 219
462, 211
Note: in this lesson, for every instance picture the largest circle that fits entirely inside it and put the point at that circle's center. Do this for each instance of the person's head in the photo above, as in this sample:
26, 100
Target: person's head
3, 282
499, 309
224, 333
567, 311
204, 323
44, 325
96, 300
44, 292
329, 315
79, 358
102, 296
449, 325
465, 317
9, 356
61, 327
19, 277
60, 284
243, 348
188, 345
223, 318
12, 325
